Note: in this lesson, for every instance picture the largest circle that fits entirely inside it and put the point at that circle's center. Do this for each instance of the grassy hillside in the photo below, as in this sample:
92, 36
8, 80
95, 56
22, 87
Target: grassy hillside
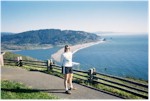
10, 55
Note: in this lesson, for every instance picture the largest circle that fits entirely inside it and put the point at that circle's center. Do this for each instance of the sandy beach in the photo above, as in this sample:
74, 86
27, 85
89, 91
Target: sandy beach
56, 56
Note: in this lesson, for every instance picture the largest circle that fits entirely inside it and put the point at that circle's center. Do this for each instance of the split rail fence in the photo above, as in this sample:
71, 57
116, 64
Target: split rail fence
92, 77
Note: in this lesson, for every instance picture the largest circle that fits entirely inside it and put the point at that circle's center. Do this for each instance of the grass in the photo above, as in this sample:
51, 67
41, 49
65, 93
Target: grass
15, 90
12, 56
117, 91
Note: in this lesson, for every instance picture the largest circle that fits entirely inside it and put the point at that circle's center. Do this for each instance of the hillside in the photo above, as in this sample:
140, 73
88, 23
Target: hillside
47, 37
12, 56
6, 33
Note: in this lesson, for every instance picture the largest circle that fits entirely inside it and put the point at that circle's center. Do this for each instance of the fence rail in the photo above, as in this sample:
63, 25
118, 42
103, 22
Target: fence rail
121, 84
93, 77
123, 79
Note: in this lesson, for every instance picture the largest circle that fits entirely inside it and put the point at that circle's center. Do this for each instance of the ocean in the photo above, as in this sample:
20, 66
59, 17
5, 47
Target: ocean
119, 55
40, 54
124, 55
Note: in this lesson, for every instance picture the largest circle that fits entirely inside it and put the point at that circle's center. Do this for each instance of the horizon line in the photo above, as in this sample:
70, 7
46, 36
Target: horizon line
73, 30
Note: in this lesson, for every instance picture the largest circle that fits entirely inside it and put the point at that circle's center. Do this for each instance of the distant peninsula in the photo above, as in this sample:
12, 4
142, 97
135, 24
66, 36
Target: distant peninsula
45, 38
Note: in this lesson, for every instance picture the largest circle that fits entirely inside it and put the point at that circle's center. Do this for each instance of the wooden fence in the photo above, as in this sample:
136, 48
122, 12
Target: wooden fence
92, 77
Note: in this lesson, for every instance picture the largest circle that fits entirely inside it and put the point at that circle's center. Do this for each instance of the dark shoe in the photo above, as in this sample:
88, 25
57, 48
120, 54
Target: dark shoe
68, 92
72, 88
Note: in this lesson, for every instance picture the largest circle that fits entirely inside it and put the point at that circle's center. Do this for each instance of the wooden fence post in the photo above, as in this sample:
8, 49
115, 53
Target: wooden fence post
2, 59
94, 73
51, 64
17, 61
20, 62
90, 73
48, 65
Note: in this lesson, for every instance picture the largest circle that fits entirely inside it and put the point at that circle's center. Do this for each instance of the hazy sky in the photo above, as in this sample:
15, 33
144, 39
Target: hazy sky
90, 16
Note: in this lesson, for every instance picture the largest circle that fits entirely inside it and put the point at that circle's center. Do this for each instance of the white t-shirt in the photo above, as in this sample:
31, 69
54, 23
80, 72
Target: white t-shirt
66, 59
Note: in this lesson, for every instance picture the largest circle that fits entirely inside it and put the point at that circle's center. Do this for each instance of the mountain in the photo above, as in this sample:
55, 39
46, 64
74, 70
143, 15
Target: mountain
6, 33
49, 36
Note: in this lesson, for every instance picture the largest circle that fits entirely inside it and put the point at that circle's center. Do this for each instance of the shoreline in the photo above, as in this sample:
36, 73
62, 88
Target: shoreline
86, 45
12, 47
56, 56
47, 47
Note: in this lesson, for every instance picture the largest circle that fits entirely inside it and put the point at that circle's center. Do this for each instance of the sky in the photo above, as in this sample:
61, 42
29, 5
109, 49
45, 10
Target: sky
89, 16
